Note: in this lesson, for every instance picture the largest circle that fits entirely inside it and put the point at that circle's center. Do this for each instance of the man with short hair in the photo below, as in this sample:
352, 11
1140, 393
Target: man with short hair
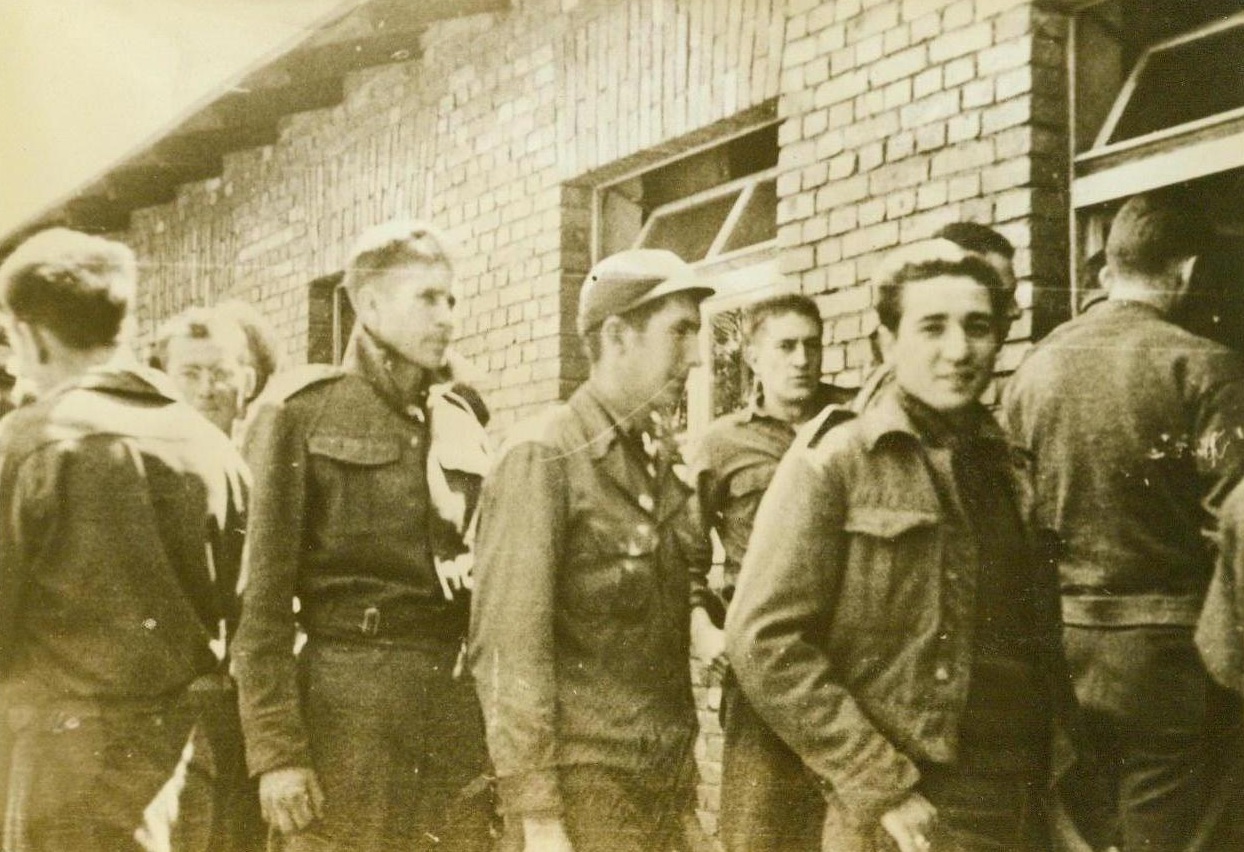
205, 353
768, 801
979, 239
1134, 427
367, 739
584, 586
112, 495
891, 622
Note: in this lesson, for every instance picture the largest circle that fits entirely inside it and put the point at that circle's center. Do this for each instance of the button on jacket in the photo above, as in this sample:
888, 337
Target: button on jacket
109, 489
341, 519
852, 629
580, 621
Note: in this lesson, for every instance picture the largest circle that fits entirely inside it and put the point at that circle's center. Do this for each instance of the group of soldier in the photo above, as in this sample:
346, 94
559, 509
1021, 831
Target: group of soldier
315, 610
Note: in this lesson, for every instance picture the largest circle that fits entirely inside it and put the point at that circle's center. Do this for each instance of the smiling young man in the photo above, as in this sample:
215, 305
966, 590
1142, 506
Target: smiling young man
891, 622
365, 740
580, 622
767, 800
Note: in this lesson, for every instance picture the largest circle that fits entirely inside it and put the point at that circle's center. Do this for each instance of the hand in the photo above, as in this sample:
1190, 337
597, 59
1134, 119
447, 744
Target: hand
708, 642
545, 835
910, 823
290, 798
455, 574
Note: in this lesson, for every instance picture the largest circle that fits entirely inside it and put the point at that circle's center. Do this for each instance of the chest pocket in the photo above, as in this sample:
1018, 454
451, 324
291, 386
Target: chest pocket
895, 557
621, 583
360, 484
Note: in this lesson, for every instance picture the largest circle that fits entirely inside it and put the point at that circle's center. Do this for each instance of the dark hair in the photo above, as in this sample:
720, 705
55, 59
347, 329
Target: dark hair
931, 259
755, 315
77, 286
976, 237
1153, 230
394, 244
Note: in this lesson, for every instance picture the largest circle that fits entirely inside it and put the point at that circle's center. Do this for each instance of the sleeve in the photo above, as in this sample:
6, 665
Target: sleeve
785, 598
1219, 430
705, 516
1220, 630
14, 494
522, 524
263, 654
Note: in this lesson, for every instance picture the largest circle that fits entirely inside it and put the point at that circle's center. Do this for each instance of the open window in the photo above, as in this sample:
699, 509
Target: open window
1158, 100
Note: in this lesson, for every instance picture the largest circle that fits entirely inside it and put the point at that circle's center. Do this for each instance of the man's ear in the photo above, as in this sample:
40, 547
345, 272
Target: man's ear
886, 340
36, 339
614, 333
246, 386
1183, 281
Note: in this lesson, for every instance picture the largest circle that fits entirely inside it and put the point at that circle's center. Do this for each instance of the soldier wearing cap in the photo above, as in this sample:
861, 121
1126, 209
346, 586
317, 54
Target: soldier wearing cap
584, 584
366, 739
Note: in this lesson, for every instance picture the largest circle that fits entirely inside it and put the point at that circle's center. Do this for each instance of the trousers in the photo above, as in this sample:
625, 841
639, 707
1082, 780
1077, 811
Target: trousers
769, 800
81, 777
398, 745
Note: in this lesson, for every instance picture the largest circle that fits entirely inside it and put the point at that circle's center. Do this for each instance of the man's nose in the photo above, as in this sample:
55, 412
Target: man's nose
691, 351
955, 344
799, 355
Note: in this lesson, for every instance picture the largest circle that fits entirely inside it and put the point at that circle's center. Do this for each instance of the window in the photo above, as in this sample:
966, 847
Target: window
716, 208
330, 318
1158, 100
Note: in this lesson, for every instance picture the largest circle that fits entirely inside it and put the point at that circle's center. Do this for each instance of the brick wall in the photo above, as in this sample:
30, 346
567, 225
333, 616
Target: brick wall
904, 115
499, 133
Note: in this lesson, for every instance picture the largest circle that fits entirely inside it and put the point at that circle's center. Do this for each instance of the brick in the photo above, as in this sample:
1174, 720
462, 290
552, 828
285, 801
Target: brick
960, 42
816, 71
1011, 54
796, 259
872, 238
815, 123
849, 191
958, 72
872, 211
841, 220
925, 28
1012, 204
978, 93
900, 145
815, 229
1013, 23
906, 63
899, 204
930, 137
1018, 81
841, 87
962, 127
831, 38
871, 156
932, 194
927, 82
962, 158
896, 38
1007, 114
914, 9
828, 251
798, 52
842, 165
800, 154
933, 108
877, 18
1006, 175
815, 175
869, 50
795, 207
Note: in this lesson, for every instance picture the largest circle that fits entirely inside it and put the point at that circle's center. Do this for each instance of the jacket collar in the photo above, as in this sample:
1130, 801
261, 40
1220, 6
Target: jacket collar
400, 384
887, 416
601, 426
122, 375
825, 394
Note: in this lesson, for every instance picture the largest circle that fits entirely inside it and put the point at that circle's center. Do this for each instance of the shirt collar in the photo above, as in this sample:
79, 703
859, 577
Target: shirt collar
401, 384
888, 416
602, 424
825, 394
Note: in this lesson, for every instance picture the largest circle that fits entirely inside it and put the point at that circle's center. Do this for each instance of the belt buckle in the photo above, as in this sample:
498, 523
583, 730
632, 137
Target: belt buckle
371, 621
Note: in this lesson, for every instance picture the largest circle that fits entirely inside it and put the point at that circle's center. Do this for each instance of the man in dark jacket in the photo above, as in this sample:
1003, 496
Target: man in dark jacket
768, 801
579, 630
1134, 427
368, 739
112, 495
892, 623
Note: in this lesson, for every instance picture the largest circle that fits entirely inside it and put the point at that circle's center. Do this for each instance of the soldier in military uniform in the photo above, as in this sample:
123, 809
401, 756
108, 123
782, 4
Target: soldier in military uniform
367, 739
112, 497
581, 618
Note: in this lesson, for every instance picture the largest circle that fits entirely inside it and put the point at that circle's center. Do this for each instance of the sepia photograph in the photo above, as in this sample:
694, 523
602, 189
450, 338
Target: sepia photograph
622, 425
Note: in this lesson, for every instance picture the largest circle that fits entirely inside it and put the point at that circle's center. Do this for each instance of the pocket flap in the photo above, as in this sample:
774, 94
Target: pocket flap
885, 522
353, 449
